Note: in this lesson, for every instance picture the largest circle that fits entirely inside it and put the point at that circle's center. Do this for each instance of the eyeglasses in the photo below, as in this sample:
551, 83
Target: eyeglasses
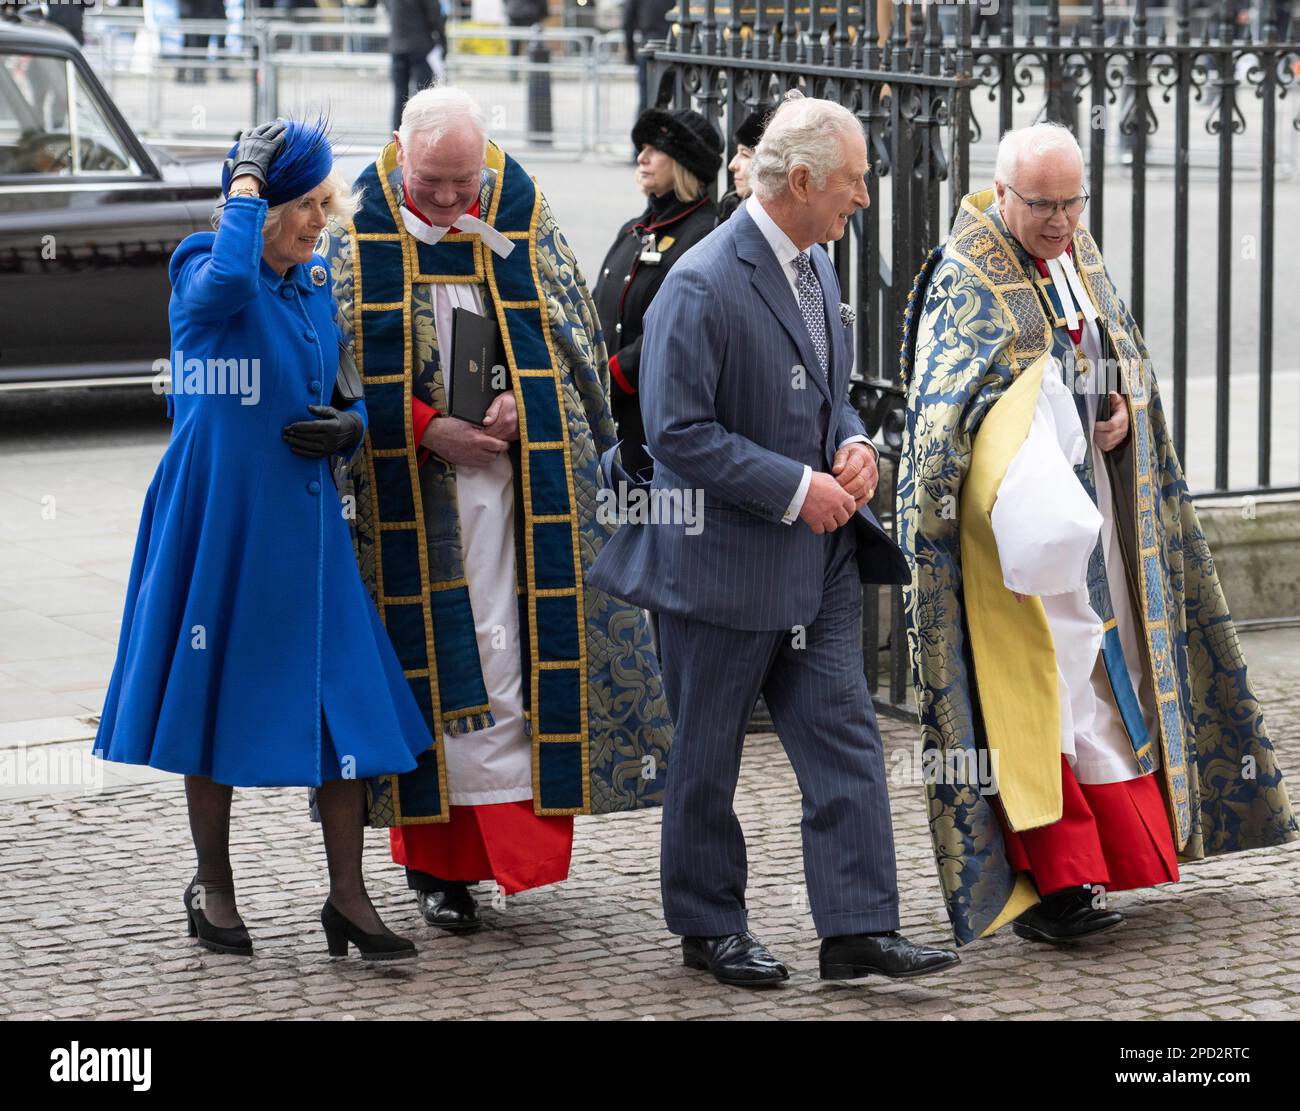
1045, 210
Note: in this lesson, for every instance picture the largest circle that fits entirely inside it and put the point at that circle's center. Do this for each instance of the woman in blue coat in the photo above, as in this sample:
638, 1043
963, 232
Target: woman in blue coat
250, 653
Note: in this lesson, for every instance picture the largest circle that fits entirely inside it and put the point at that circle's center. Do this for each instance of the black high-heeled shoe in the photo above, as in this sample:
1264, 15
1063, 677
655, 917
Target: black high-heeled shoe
374, 947
219, 939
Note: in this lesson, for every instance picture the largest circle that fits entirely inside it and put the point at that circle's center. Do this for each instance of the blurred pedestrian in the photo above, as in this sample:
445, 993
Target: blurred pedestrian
524, 13
70, 15
201, 42
417, 28
643, 20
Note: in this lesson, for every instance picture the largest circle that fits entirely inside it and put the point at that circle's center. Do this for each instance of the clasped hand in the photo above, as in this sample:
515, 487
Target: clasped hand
467, 445
833, 498
1109, 433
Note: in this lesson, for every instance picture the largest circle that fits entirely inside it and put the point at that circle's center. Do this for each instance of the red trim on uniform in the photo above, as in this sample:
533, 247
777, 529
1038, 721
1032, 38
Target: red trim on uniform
1113, 834
506, 842
617, 372
680, 216
641, 229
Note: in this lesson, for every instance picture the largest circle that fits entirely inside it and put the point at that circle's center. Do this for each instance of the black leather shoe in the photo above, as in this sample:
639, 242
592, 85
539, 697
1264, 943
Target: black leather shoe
856, 955
738, 960
219, 939
339, 930
1065, 916
452, 909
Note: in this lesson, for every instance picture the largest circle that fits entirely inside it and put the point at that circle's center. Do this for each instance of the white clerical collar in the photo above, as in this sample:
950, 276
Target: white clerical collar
782, 245
1069, 288
431, 234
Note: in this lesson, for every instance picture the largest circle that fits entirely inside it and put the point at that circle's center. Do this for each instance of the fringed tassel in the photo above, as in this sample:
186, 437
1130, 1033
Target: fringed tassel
469, 723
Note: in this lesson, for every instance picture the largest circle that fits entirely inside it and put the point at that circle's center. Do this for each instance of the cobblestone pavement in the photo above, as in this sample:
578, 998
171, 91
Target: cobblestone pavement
91, 922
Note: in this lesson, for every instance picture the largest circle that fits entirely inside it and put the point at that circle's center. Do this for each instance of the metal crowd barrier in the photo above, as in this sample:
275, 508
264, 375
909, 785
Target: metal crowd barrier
202, 81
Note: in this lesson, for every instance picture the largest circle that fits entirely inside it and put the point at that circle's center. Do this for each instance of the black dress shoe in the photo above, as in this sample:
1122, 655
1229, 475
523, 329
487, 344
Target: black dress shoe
738, 960
219, 939
339, 930
452, 909
856, 955
1065, 916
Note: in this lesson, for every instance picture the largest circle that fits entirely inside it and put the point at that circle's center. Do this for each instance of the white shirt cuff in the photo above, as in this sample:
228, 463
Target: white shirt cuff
863, 440
796, 502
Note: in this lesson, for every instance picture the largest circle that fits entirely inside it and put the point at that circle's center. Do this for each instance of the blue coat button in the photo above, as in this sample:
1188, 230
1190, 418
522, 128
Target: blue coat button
314, 385
313, 487
286, 292
310, 337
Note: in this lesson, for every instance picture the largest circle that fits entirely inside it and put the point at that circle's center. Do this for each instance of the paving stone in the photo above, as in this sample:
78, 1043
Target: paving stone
100, 932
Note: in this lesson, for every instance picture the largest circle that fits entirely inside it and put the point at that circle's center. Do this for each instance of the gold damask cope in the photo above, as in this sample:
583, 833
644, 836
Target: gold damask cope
982, 242
979, 325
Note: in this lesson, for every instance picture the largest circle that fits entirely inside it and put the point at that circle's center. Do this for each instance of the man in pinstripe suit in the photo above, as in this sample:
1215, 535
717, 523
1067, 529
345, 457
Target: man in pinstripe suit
744, 388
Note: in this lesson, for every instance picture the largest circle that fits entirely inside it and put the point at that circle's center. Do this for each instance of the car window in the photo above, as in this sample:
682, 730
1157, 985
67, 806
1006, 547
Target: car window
50, 124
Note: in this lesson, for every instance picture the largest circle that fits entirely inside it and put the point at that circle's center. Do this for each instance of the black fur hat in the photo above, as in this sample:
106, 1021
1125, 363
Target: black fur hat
685, 136
751, 128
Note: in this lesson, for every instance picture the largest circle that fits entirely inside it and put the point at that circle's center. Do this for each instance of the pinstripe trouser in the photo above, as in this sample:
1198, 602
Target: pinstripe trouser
819, 701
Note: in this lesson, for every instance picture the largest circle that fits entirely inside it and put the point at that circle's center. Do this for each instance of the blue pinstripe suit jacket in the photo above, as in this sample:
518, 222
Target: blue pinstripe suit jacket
728, 412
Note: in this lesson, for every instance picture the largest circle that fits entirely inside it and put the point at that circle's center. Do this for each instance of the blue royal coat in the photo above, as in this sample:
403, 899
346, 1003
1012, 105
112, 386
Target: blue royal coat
245, 613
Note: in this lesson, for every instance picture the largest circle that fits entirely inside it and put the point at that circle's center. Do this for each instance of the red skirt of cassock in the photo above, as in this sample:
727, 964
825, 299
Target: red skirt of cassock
503, 841
1113, 834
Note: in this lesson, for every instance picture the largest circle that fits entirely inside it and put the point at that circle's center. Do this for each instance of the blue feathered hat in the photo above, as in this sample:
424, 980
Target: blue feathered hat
303, 163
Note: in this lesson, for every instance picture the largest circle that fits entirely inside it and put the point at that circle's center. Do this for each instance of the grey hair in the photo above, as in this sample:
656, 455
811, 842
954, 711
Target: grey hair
803, 131
1030, 142
436, 111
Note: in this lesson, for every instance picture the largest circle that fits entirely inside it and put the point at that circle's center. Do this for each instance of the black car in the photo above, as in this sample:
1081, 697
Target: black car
89, 217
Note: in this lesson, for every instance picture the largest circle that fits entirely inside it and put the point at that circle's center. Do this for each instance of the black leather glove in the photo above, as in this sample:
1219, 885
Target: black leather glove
337, 430
258, 148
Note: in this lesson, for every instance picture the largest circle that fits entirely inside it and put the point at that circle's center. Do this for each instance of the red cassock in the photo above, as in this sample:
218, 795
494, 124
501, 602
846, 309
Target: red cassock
1113, 834
505, 841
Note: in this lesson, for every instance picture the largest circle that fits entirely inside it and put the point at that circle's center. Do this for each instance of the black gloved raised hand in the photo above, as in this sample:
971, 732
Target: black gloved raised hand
337, 430
258, 148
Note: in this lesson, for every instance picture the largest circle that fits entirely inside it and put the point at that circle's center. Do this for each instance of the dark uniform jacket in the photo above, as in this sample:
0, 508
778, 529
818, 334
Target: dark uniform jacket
624, 290
650, 17
417, 26
728, 205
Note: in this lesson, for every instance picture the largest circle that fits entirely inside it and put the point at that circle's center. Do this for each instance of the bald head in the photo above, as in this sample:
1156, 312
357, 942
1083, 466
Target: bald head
1039, 170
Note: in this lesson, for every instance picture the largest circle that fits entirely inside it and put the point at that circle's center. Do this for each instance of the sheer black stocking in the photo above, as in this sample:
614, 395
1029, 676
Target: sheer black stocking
341, 803
209, 806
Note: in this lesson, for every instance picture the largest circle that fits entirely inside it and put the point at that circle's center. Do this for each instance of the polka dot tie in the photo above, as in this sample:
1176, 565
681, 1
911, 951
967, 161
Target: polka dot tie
812, 306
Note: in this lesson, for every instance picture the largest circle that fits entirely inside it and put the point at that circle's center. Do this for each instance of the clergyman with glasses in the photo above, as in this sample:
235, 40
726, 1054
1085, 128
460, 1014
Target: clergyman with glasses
1065, 619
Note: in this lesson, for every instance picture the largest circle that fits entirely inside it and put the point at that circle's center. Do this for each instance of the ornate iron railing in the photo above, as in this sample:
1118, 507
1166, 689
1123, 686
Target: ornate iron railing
1179, 110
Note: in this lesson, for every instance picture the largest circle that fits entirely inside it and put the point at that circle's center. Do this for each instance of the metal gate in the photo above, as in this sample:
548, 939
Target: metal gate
1191, 143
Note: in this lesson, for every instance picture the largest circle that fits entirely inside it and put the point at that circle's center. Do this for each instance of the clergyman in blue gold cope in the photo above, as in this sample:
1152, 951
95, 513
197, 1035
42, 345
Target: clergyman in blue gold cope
542, 695
1103, 677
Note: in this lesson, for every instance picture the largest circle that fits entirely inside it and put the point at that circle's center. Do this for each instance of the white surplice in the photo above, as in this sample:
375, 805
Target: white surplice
1046, 527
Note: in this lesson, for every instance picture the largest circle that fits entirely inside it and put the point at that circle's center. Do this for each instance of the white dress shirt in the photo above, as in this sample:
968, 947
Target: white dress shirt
786, 253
